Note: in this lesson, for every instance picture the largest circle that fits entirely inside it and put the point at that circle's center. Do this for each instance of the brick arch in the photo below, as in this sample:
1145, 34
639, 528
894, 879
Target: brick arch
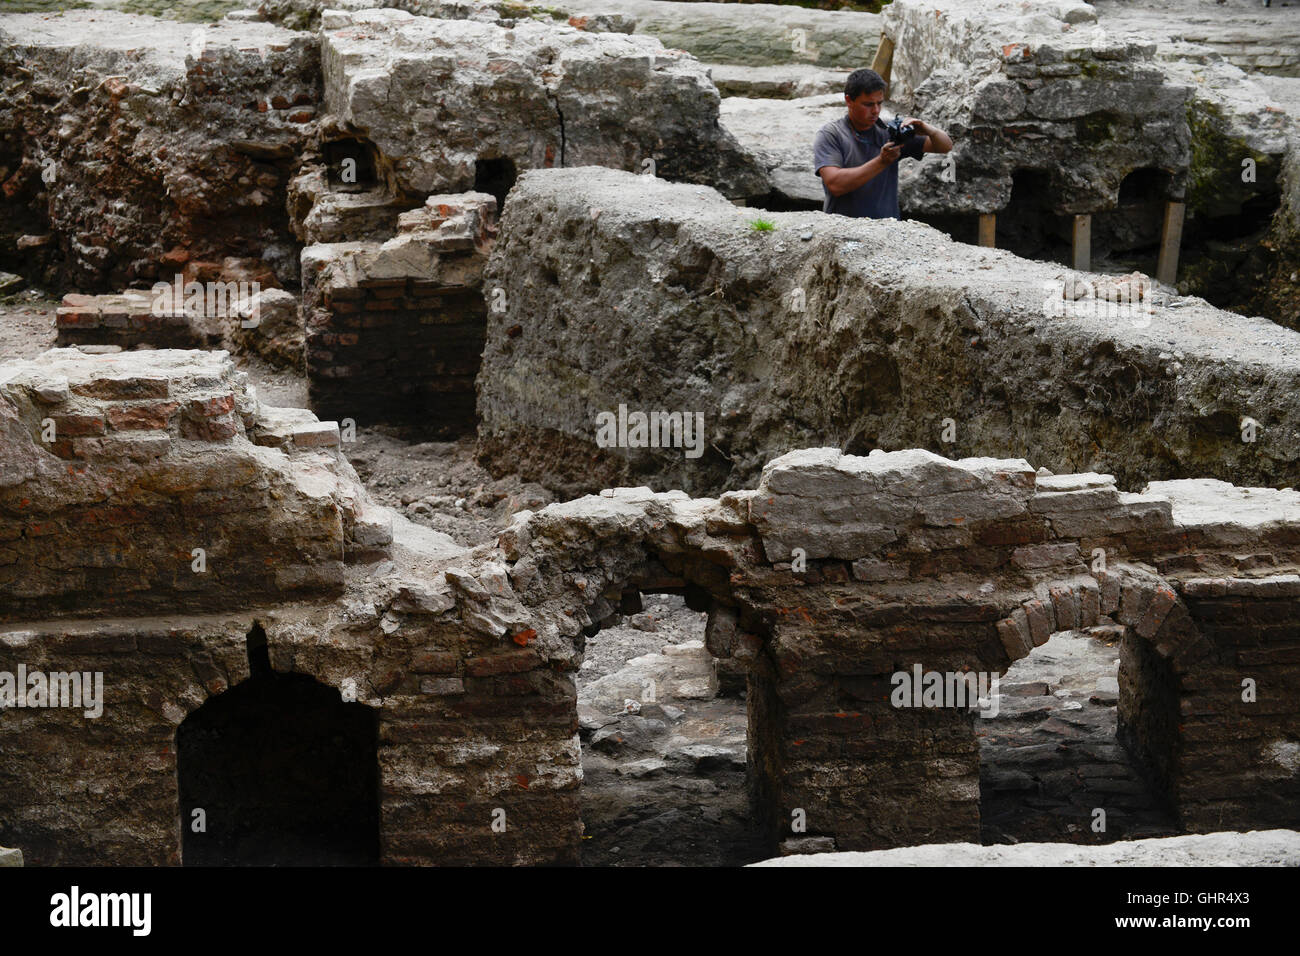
1159, 644
562, 574
218, 661
1129, 595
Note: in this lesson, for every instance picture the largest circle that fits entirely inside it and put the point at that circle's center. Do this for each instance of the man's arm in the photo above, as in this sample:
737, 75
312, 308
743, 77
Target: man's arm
840, 180
936, 140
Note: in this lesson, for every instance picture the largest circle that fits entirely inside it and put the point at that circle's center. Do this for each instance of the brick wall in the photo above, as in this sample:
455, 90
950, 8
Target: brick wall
469, 657
401, 351
120, 466
395, 331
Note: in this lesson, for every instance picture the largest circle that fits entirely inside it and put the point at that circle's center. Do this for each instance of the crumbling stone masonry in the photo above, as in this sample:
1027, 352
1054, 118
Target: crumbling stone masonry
535, 95
958, 566
117, 466
395, 330
623, 290
466, 658
132, 145
98, 560
1035, 88
123, 157
1062, 109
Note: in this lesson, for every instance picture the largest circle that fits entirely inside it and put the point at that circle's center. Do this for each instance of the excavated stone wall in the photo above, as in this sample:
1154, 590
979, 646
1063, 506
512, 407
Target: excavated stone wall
538, 95
116, 467
1037, 88
1055, 111
157, 144
160, 460
467, 658
395, 330
150, 145
623, 290
911, 559
462, 731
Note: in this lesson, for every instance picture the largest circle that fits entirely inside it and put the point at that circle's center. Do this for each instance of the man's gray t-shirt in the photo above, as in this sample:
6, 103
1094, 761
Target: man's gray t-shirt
838, 144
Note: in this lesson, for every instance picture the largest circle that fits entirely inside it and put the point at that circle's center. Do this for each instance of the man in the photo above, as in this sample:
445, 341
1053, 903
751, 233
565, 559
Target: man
853, 156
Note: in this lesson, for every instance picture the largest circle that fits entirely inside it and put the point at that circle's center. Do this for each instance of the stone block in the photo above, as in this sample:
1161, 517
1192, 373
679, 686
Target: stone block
74, 425
316, 435
1015, 635
1065, 607
1035, 556
1089, 603
136, 417
1042, 624
1109, 584
1162, 600
442, 686
505, 662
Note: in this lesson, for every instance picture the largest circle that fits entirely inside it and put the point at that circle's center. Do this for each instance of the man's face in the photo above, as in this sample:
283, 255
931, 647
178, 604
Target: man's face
865, 110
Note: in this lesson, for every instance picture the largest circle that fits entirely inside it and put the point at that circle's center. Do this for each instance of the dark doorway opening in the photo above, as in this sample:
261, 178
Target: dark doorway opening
1127, 238
495, 177
283, 772
1028, 226
351, 164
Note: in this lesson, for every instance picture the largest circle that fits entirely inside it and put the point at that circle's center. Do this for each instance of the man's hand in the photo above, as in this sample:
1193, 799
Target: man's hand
937, 141
889, 153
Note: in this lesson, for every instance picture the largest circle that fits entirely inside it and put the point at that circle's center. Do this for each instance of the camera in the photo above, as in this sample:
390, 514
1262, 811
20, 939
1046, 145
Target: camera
900, 133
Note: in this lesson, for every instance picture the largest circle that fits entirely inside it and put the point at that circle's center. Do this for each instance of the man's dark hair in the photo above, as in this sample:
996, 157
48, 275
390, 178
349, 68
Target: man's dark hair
862, 81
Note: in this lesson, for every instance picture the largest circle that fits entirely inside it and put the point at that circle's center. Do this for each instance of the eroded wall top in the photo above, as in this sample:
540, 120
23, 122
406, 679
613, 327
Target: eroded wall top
661, 298
436, 97
154, 480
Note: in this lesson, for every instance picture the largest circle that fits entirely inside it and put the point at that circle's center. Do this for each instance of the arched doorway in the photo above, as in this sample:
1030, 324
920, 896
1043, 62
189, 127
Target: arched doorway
278, 771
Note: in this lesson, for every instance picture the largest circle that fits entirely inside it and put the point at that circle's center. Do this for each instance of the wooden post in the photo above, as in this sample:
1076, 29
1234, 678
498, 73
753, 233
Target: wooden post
1171, 238
884, 61
1082, 243
988, 229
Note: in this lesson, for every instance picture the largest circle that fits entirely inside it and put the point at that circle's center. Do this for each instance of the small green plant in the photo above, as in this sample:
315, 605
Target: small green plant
762, 225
